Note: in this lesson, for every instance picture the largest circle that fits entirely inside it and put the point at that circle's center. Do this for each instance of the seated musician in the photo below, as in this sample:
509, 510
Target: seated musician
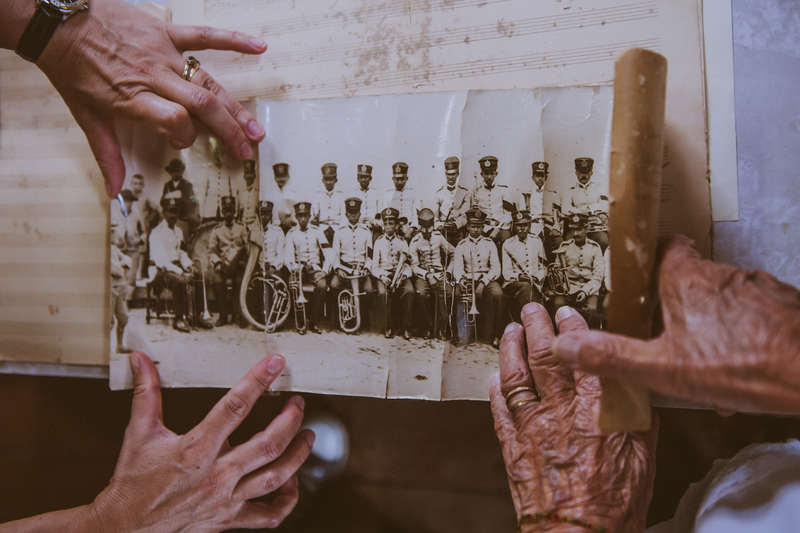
351, 253
476, 265
524, 265
584, 267
274, 240
395, 293
303, 258
227, 257
430, 256
175, 269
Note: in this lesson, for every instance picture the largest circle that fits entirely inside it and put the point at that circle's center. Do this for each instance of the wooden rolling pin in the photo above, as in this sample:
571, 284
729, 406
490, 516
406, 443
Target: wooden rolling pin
637, 145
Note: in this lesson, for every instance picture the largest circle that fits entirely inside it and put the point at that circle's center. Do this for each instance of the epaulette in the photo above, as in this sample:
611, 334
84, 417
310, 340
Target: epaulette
590, 241
502, 185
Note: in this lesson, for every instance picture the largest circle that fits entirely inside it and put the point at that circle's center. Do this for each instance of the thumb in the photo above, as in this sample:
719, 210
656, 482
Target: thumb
616, 356
105, 146
146, 405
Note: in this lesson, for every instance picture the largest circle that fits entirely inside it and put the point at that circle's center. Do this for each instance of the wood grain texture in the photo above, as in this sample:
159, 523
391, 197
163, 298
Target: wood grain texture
637, 148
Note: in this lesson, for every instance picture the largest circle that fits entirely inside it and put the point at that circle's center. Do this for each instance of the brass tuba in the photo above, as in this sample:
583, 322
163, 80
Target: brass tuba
258, 290
557, 281
349, 303
300, 300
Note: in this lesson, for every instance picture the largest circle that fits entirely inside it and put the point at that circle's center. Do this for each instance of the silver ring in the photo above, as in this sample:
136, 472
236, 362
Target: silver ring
190, 68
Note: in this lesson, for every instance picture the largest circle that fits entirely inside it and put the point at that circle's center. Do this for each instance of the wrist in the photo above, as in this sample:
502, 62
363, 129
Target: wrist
15, 19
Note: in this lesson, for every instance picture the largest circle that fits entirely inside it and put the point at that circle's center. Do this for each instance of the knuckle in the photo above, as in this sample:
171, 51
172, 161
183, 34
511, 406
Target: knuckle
271, 482
175, 119
202, 99
236, 405
514, 378
271, 449
205, 35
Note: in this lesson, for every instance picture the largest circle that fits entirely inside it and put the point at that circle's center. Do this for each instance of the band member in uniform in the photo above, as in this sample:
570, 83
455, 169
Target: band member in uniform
179, 187
391, 271
304, 251
431, 254
283, 197
524, 265
544, 206
327, 210
215, 184
584, 266
401, 198
174, 266
451, 204
120, 264
495, 201
587, 199
352, 245
370, 200
227, 256
476, 259
147, 211
274, 240
248, 205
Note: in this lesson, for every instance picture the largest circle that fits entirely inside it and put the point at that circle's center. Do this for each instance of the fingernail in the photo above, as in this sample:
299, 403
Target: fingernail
299, 402
564, 312
309, 436
136, 363
275, 364
246, 151
530, 309
257, 43
511, 327
566, 348
254, 128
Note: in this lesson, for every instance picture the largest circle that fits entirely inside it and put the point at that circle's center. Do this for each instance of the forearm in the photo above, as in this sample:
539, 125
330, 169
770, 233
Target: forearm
16, 15
77, 520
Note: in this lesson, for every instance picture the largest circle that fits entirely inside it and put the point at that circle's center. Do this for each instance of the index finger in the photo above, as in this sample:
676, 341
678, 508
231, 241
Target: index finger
234, 407
551, 377
208, 38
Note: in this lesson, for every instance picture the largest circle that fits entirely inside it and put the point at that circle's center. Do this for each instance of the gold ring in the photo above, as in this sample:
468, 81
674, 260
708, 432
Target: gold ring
190, 68
513, 406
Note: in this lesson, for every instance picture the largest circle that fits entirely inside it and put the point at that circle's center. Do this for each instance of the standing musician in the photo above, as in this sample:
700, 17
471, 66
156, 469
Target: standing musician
430, 256
495, 201
524, 265
391, 271
584, 266
327, 211
351, 253
451, 204
587, 199
304, 254
227, 256
273, 241
477, 265
180, 188
544, 206
174, 266
283, 197
370, 200
401, 198
248, 207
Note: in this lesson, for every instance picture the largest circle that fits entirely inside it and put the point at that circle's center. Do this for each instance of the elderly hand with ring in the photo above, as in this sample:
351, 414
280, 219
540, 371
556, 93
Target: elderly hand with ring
116, 61
564, 474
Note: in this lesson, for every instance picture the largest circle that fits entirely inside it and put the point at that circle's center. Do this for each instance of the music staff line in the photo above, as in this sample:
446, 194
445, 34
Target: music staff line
473, 68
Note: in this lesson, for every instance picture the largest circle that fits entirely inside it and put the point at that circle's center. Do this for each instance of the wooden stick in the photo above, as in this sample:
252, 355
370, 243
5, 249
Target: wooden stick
637, 139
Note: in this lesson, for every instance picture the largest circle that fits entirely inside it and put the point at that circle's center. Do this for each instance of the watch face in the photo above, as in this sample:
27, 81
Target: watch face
66, 7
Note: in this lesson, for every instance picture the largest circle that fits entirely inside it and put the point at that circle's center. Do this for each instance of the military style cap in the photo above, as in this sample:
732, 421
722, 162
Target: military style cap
584, 164
329, 170
539, 167
302, 208
576, 221
390, 213
522, 217
400, 169
352, 204
451, 165
128, 195
475, 215
364, 170
265, 205
488, 163
250, 165
281, 170
176, 165
425, 217
227, 202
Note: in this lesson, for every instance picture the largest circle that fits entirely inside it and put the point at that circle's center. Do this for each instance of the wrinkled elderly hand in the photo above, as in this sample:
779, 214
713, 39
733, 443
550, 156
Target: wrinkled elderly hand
557, 460
731, 338
197, 482
117, 61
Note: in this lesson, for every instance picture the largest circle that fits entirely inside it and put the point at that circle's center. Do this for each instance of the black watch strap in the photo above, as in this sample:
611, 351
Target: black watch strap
38, 33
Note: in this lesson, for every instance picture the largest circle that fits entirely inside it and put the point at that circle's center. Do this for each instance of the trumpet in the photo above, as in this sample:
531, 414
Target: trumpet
398, 271
300, 300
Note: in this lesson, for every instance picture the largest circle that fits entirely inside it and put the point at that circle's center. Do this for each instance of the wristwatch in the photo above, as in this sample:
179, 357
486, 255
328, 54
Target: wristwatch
48, 15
